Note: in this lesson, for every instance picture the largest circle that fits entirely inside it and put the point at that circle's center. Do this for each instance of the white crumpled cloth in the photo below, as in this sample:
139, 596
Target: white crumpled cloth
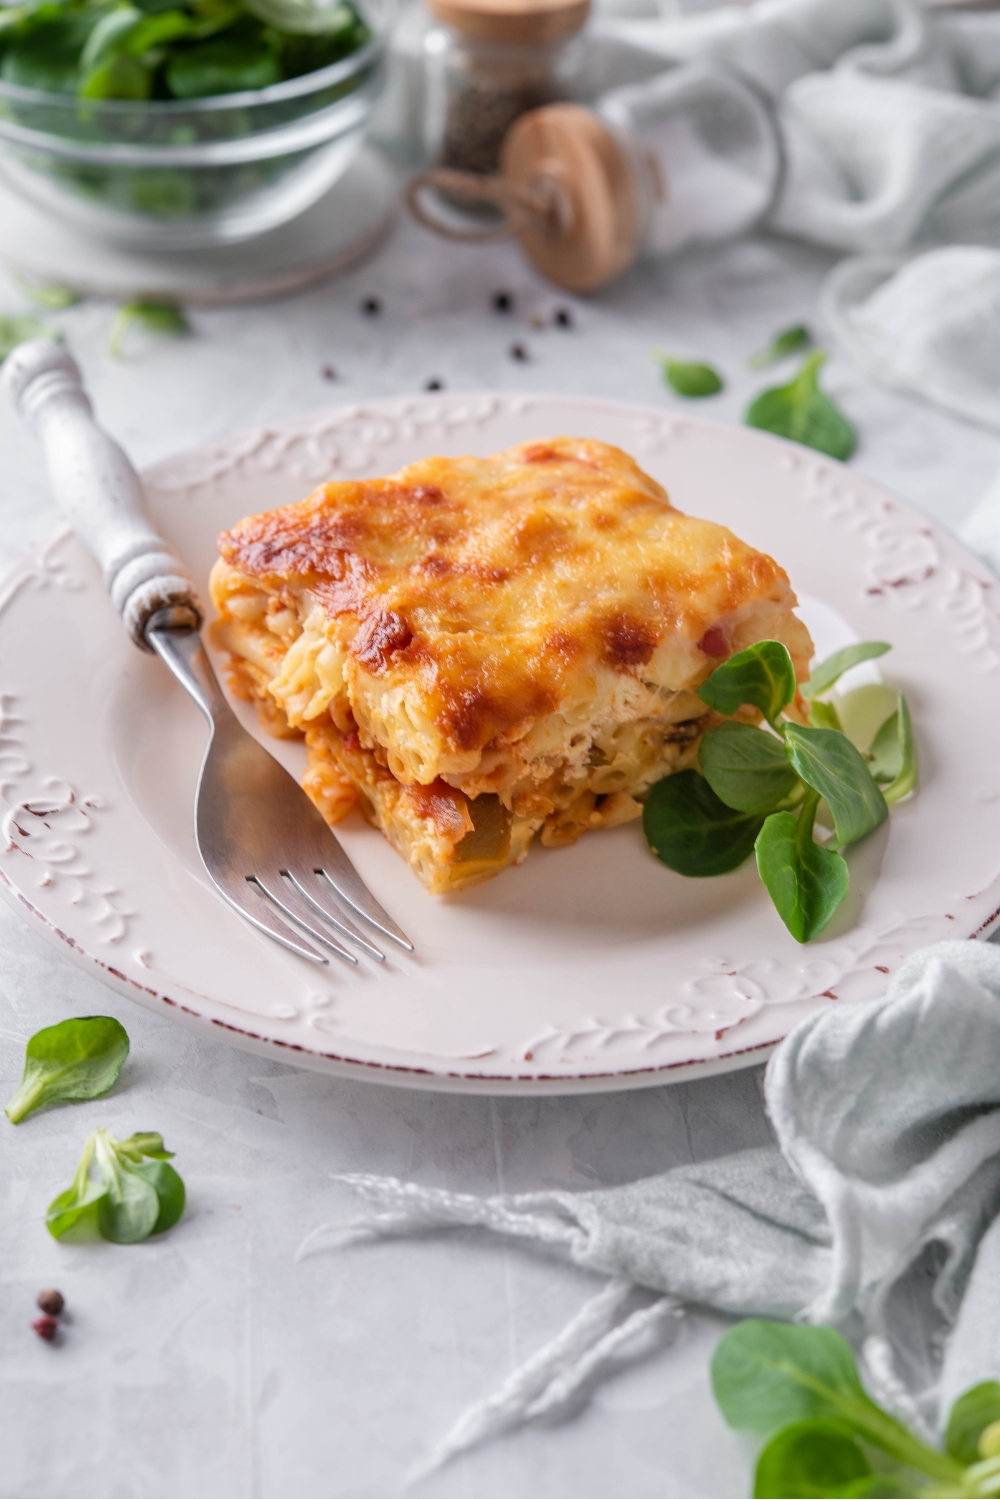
876, 1210
887, 110
890, 118
929, 326
889, 115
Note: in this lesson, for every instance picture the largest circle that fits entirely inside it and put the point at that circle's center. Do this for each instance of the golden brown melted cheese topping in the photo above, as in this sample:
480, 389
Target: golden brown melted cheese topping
479, 650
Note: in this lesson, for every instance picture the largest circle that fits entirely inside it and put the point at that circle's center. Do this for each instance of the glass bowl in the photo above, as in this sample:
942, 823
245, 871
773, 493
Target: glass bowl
188, 174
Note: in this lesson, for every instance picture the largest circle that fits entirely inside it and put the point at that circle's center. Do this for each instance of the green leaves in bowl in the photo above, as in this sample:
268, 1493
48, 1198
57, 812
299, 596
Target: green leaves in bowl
761, 789
172, 49
802, 412
689, 377
77, 1059
123, 1191
799, 1387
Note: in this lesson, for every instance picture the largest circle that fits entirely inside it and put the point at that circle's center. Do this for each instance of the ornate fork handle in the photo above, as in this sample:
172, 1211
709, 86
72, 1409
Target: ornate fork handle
99, 492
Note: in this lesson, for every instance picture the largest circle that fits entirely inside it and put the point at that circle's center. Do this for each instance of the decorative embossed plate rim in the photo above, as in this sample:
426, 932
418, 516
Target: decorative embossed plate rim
587, 969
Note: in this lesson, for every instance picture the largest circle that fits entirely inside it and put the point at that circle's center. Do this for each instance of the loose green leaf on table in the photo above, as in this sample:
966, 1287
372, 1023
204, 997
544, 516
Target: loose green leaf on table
805, 881
156, 317
788, 341
827, 761
123, 1191
17, 330
76, 1059
689, 378
819, 1457
823, 676
973, 1412
802, 412
47, 294
767, 1376
691, 830
762, 676
746, 767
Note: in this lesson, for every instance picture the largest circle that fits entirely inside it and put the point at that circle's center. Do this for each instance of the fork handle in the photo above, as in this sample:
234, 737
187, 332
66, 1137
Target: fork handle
98, 491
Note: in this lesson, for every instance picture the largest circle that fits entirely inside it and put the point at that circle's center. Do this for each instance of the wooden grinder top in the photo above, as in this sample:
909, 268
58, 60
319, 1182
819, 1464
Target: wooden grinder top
596, 235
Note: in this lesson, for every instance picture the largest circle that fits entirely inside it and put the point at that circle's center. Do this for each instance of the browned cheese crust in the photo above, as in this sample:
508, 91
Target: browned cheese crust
479, 649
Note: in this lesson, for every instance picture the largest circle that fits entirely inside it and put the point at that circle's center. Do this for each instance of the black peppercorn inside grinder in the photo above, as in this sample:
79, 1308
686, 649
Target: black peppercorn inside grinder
489, 62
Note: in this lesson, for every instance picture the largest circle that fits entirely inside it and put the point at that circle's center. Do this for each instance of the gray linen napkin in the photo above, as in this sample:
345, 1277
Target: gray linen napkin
867, 1214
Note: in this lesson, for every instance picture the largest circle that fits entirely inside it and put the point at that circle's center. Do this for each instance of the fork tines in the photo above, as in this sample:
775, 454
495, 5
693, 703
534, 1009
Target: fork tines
302, 897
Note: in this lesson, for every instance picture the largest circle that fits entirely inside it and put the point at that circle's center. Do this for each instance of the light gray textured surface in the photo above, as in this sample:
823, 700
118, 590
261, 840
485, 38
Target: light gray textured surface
209, 1363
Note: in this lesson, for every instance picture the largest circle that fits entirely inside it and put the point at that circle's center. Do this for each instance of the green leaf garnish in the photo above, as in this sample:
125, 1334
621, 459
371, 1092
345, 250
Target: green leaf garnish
77, 1059
819, 1457
805, 881
689, 378
762, 676
745, 767
157, 317
894, 756
691, 830
825, 716
827, 672
117, 1193
759, 790
827, 761
802, 412
789, 341
17, 330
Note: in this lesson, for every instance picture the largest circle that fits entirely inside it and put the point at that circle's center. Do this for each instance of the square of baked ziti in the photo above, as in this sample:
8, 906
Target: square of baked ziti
477, 650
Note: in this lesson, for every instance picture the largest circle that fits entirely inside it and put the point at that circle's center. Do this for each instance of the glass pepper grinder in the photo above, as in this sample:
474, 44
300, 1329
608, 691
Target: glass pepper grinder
490, 61
692, 155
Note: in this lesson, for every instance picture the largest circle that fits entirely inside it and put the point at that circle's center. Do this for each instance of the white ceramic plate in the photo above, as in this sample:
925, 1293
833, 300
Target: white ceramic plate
588, 968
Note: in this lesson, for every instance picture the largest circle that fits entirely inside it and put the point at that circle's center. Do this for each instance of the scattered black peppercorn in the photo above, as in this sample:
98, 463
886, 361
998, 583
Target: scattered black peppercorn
46, 1328
503, 302
328, 372
563, 318
371, 307
519, 352
51, 1302
434, 385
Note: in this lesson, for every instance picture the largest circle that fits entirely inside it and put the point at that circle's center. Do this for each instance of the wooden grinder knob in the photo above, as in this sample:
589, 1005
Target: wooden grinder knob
593, 233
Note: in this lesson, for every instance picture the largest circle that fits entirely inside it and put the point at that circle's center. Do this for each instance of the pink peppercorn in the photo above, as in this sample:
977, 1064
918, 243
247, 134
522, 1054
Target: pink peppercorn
46, 1328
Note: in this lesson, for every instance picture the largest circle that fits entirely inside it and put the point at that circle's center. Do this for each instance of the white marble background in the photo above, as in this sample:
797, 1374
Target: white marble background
209, 1363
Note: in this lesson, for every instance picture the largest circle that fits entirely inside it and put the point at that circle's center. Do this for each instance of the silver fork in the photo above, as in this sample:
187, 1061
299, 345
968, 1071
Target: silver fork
265, 846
